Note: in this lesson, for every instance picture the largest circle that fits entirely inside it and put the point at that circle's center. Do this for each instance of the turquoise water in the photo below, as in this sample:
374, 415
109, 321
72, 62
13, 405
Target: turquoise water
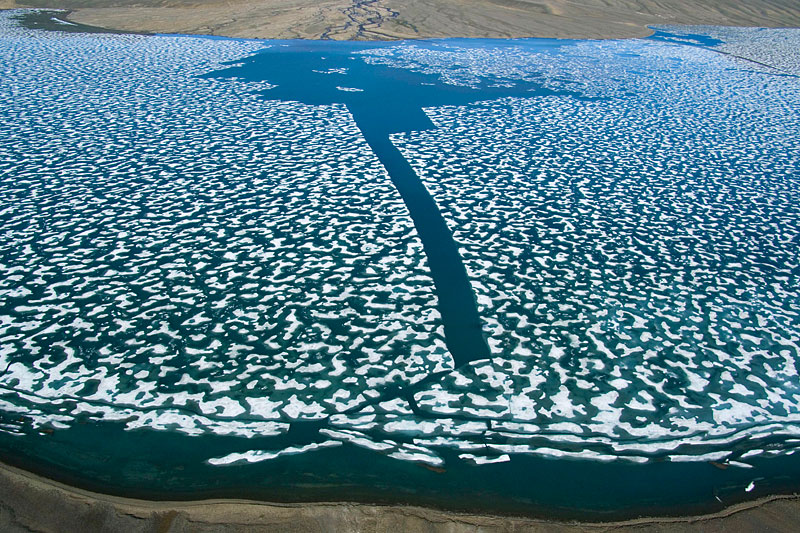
529, 276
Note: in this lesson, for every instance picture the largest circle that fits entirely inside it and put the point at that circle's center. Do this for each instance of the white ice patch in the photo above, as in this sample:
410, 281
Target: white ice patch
256, 456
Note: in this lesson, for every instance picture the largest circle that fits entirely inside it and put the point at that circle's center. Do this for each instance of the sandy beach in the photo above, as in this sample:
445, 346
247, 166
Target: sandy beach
24, 497
389, 19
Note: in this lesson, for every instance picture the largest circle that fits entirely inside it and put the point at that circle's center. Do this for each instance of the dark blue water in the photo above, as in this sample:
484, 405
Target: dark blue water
690, 39
169, 466
391, 100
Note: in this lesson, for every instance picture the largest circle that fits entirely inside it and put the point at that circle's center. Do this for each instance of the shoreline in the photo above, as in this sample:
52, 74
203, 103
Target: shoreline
23, 495
386, 20
61, 19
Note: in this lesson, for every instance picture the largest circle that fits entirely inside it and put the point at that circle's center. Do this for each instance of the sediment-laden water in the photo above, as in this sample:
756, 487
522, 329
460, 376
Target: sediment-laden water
561, 276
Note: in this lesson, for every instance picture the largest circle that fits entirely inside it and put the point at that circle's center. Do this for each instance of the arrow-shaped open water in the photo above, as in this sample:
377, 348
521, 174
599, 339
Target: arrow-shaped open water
385, 100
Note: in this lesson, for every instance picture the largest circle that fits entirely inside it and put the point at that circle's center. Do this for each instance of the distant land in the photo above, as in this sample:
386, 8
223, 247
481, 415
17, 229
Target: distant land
409, 19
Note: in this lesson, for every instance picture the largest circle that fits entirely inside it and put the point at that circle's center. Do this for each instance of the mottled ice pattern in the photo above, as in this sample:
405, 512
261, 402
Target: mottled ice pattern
636, 257
775, 49
179, 254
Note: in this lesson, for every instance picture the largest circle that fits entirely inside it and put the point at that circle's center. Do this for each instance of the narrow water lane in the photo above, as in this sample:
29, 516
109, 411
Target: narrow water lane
456, 299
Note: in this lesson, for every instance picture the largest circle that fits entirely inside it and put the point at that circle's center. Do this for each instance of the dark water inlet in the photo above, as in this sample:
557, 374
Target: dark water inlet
462, 325
385, 100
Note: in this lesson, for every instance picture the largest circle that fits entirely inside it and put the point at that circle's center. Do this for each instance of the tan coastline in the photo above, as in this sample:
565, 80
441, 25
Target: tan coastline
32, 503
395, 19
